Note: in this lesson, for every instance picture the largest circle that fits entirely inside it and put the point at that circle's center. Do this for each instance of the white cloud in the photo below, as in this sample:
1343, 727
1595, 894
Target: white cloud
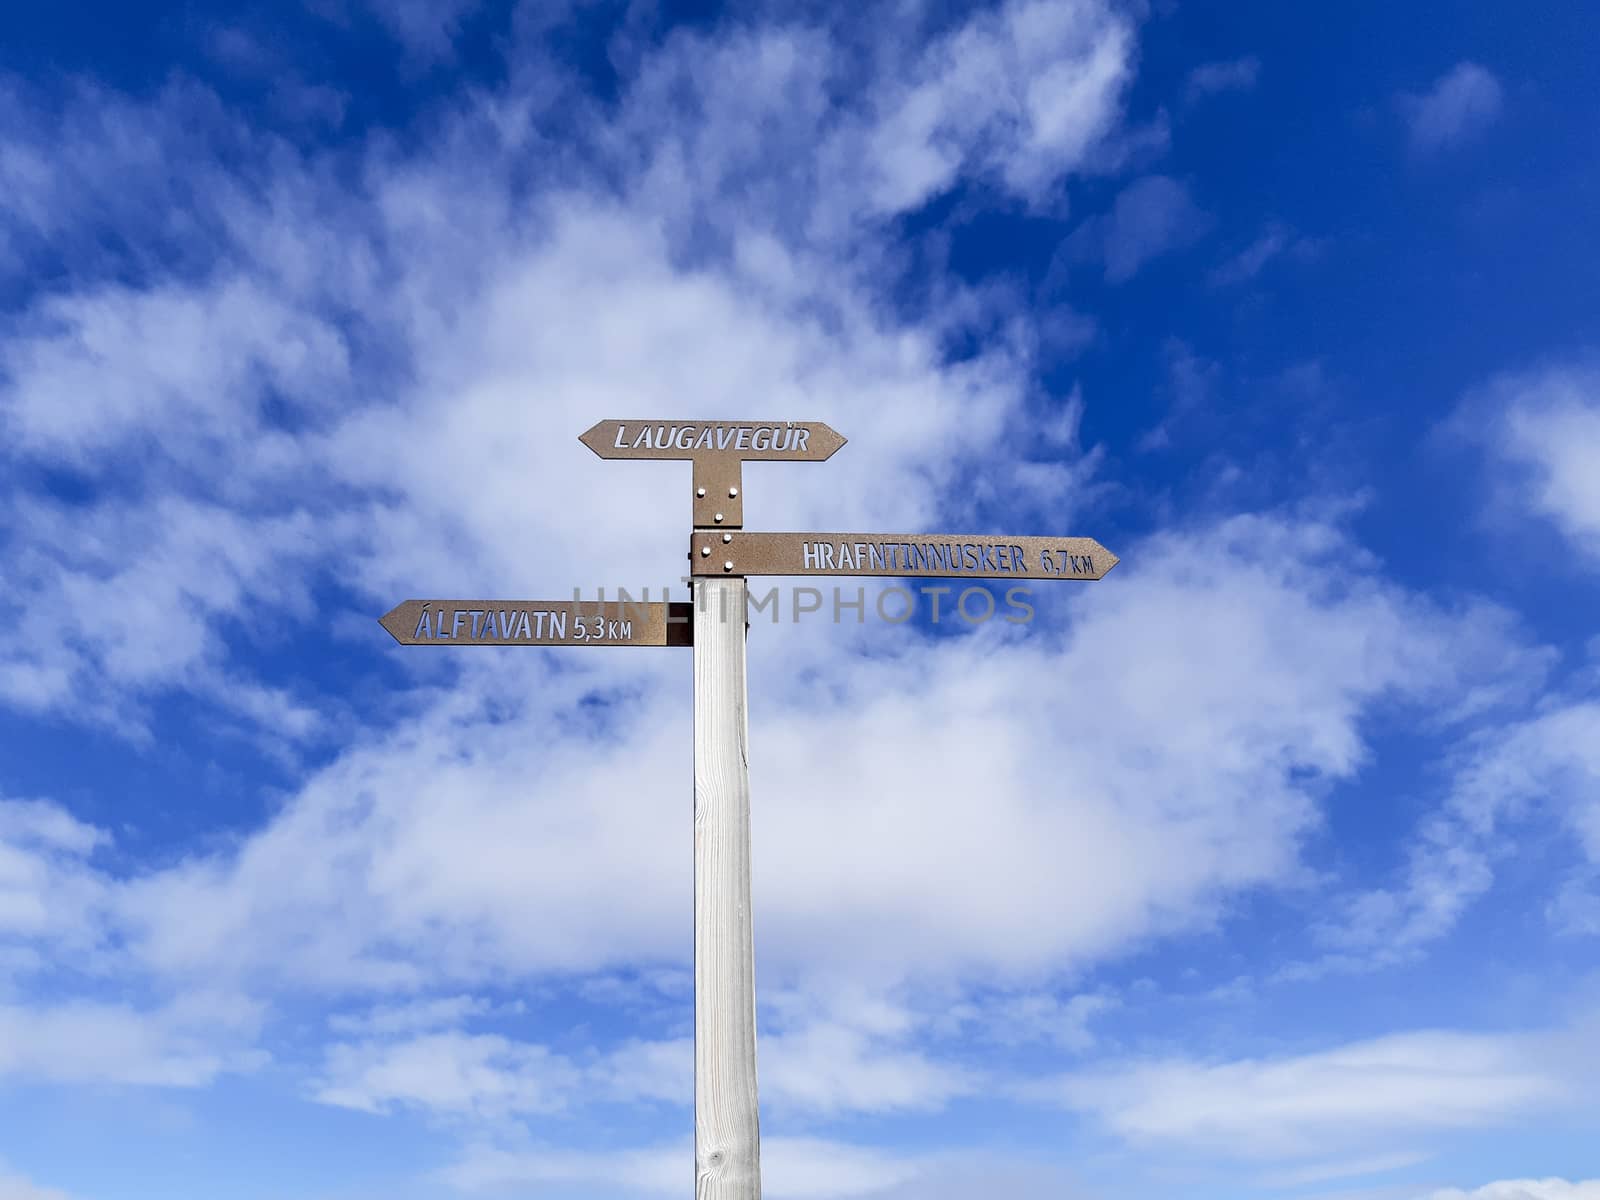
801, 1168
1541, 432
425, 30
1193, 382
44, 826
827, 1069
1231, 75
49, 893
417, 266
1017, 97
451, 1074
485, 1078
108, 624
1275, 241
1461, 103
1543, 429
186, 1044
1027, 1018
1525, 1189
808, 1167
1551, 760
1346, 1168
650, 1171
660, 1071
1354, 1095
90, 162
194, 363
1247, 264
456, 824
15, 1187
1545, 769
425, 27
414, 1017
1150, 217
910, 890
1023, 94
417, 857
819, 1070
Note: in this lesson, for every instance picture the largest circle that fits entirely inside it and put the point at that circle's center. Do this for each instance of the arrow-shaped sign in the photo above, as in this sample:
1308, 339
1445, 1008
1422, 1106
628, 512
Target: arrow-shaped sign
791, 441
941, 555
539, 623
719, 450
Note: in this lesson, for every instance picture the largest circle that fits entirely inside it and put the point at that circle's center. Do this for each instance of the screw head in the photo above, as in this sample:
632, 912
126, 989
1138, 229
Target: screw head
700, 492
705, 551
726, 538
732, 492
727, 566
718, 517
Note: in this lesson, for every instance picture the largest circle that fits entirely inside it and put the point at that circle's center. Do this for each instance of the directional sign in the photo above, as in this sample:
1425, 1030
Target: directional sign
539, 623
794, 441
944, 555
719, 450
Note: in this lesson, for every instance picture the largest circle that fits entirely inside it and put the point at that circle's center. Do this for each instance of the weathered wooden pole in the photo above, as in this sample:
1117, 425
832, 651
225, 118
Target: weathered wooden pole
727, 1128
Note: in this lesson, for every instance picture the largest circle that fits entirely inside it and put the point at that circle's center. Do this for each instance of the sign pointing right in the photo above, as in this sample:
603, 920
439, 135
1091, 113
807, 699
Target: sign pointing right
940, 555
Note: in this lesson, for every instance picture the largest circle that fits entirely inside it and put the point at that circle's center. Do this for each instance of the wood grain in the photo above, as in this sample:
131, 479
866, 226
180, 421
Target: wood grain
727, 1131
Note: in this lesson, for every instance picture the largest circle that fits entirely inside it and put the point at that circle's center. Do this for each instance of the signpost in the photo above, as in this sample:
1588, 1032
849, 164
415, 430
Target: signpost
726, 1120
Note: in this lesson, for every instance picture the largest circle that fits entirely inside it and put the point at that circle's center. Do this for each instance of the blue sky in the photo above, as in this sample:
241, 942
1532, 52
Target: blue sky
1268, 866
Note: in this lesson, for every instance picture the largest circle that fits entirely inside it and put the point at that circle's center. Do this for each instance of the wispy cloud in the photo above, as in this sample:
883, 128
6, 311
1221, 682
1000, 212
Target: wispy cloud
453, 1074
425, 30
803, 1168
1150, 217
1230, 75
187, 1043
16, 1187
1352, 1096
1526, 1189
1460, 104
1541, 431
1544, 773
1193, 382
1276, 239
249, 386
1345, 1168
51, 894
442, 848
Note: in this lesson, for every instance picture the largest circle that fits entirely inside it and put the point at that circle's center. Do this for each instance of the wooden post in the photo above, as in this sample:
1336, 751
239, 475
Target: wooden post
727, 1133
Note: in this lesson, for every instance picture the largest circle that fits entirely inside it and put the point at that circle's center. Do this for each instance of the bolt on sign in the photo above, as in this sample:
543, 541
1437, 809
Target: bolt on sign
727, 1129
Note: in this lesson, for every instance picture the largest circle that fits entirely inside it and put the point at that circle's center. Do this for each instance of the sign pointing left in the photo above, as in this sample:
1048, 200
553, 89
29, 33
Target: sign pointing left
719, 450
539, 623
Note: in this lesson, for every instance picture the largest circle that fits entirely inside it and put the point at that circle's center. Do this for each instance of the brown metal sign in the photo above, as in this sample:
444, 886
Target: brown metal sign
790, 441
941, 555
539, 623
718, 449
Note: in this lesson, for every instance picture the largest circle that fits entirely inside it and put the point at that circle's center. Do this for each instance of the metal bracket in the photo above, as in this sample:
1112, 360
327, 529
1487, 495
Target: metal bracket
718, 491
711, 553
